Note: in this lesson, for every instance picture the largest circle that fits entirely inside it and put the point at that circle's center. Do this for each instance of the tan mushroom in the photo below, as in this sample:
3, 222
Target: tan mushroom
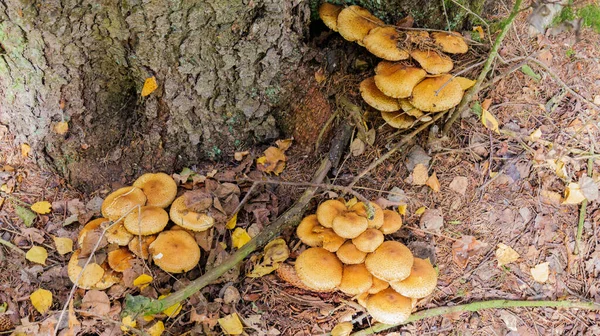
147, 221
84, 277
141, 250
118, 234
355, 22
392, 222
350, 255
160, 189
383, 43
399, 80
391, 261
356, 279
378, 286
175, 251
437, 94
306, 231
451, 43
361, 210
369, 240
120, 259
319, 269
329, 14
328, 210
421, 281
377, 99
188, 219
349, 225
400, 120
389, 307
122, 201
432, 61
331, 241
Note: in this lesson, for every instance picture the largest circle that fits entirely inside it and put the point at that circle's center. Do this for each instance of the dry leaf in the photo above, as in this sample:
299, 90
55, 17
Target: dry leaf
37, 254
142, 281
540, 272
231, 324
550, 197
357, 147
275, 252
402, 209
486, 104
25, 149
588, 187
573, 194
419, 174
433, 182
505, 254
232, 222
128, 322
535, 135
420, 211
157, 329
489, 121
41, 300
63, 245
149, 86
42, 207
96, 302
173, 310
197, 200
284, 144
342, 329
273, 161
459, 184
239, 237
464, 248
432, 220
319, 76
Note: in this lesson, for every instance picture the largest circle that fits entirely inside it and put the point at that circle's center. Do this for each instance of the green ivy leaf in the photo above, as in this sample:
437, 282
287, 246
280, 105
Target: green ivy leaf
135, 305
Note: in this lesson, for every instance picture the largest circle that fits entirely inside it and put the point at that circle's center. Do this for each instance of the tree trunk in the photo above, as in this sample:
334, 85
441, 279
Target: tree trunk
224, 70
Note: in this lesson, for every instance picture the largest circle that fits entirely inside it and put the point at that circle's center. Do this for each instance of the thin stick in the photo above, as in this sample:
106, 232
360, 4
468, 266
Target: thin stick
446, 14
582, 212
486, 68
11, 246
477, 306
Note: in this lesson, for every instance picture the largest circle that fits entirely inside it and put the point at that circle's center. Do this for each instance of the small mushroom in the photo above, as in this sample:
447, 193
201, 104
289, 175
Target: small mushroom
377, 99
329, 14
119, 259
355, 22
362, 298
451, 43
383, 43
160, 189
121, 201
288, 274
361, 210
356, 279
350, 255
378, 286
91, 225
391, 261
175, 251
349, 225
400, 120
369, 240
392, 222
331, 241
399, 80
118, 234
421, 281
389, 307
306, 231
432, 61
319, 269
437, 94
109, 278
189, 219
149, 220
328, 210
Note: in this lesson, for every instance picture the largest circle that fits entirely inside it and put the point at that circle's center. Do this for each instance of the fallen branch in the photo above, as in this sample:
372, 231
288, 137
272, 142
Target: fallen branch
11, 246
583, 211
477, 306
468, 97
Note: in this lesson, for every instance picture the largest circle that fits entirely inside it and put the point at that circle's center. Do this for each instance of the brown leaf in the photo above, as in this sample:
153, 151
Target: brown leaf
486, 103
90, 240
197, 200
419, 175
95, 302
230, 204
459, 184
406, 22
550, 197
464, 248
433, 182
226, 189
357, 147
204, 239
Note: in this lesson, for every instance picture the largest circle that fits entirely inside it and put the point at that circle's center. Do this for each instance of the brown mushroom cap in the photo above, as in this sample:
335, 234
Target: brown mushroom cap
355, 22
90, 275
432, 61
392, 222
400, 120
399, 83
386, 67
319, 269
91, 225
175, 251
121, 201
421, 281
328, 210
389, 307
109, 278
356, 279
383, 43
149, 220
160, 189
391, 261
189, 219
452, 43
307, 233
377, 99
119, 259
118, 234
361, 210
349, 225
331, 241
329, 14
350, 255
437, 94
141, 251
288, 274
369, 240
378, 286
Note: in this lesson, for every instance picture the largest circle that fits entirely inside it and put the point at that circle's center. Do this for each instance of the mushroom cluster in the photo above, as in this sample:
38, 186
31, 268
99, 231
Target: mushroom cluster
136, 218
405, 93
348, 252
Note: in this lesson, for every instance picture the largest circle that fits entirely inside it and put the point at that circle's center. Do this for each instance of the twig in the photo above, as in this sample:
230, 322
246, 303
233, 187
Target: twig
486, 68
446, 14
582, 212
11, 246
477, 306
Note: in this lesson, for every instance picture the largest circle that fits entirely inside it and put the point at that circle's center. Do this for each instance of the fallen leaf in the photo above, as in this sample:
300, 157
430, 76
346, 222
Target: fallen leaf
505, 254
459, 184
357, 147
142, 281
128, 322
95, 302
433, 182
157, 329
231, 324
41, 300
415, 156
420, 211
319, 76
173, 310
63, 245
526, 69
588, 187
479, 30
402, 209
535, 135
573, 194
465, 248
419, 175
25, 149
149, 86
239, 237
37, 254
540, 272
550, 197
42, 207
432, 220
232, 222
489, 121
273, 161
509, 319
342, 329
198, 200
25, 214
61, 127
275, 252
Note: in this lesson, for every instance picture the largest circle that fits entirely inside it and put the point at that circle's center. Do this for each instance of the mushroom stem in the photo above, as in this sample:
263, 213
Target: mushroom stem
477, 306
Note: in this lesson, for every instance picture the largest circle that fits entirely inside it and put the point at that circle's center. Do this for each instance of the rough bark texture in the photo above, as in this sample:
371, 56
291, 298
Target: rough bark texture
224, 70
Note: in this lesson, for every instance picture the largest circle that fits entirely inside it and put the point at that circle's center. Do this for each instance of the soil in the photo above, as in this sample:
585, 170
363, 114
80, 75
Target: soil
504, 200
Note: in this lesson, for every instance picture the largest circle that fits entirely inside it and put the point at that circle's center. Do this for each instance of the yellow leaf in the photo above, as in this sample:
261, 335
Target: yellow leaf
37, 254
149, 86
261, 160
41, 300
173, 310
42, 207
320, 76
402, 209
351, 202
342, 329
157, 329
489, 121
274, 254
63, 245
573, 194
239, 237
148, 318
231, 324
540, 272
433, 182
128, 322
25, 149
142, 281
535, 135
61, 127
464, 82
505, 254
420, 211
232, 222
479, 30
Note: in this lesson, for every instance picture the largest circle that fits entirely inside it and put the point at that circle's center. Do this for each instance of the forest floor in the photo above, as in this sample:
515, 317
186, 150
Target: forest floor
493, 189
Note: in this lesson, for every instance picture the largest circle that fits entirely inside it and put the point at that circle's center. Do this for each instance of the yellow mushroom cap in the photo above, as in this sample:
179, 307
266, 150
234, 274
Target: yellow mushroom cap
437, 94
141, 250
331, 241
391, 261
355, 22
386, 67
160, 189
349, 225
369, 240
288, 274
400, 120
119, 259
149, 220
109, 278
378, 286
464, 82
90, 275
121, 201
362, 298
328, 210
392, 222
383, 43
389, 307
329, 14
91, 225
361, 210
319, 269
399, 83
350, 255
307, 233
421, 281
356, 279
189, 219
175, 251
432, 61
452, 43
118, 234
377, 99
